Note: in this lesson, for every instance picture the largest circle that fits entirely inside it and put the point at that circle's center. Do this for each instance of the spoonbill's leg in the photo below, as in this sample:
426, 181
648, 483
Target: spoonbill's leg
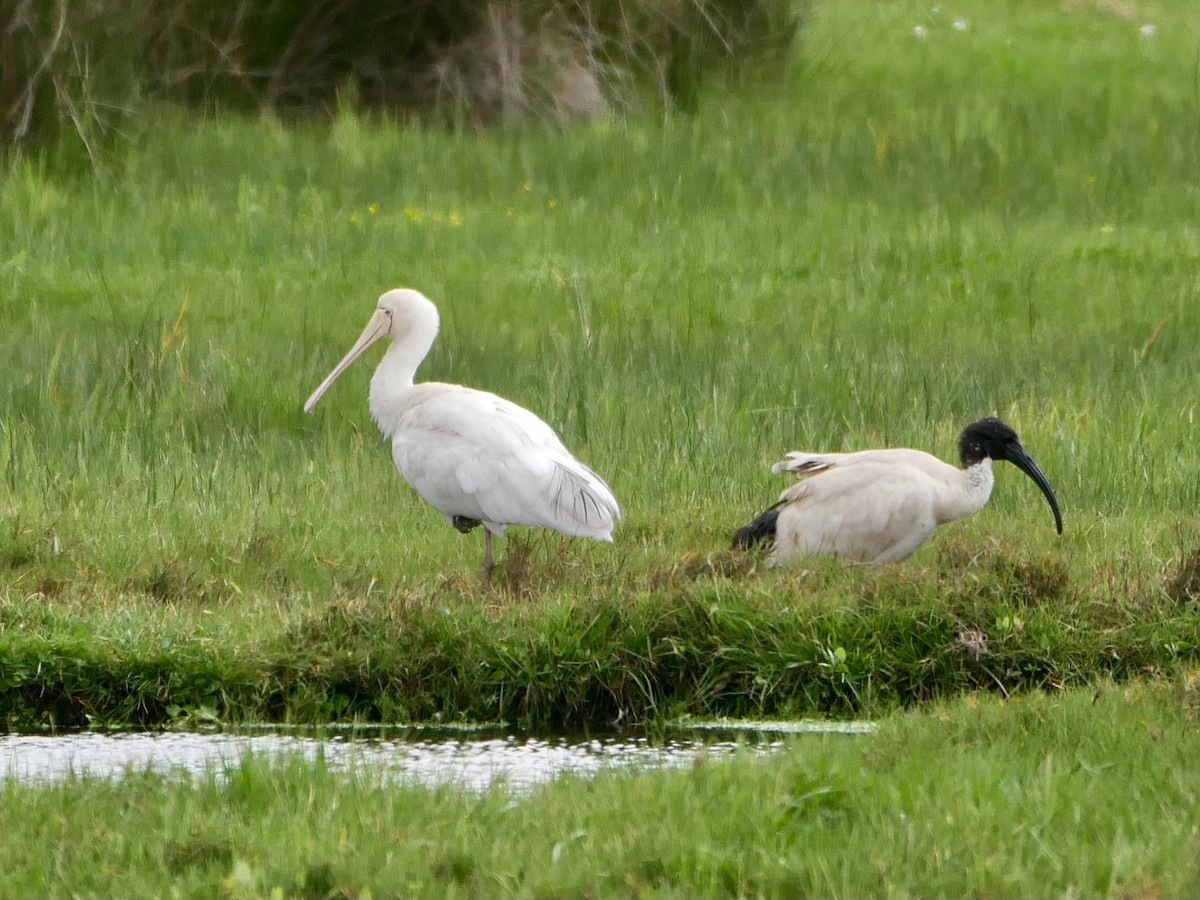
488, 562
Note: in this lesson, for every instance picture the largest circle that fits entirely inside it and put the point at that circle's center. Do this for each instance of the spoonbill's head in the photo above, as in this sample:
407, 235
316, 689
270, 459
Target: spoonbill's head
992, 439
400, 313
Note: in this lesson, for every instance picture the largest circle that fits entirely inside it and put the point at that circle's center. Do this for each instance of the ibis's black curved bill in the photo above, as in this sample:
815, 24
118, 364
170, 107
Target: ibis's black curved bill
1023, 461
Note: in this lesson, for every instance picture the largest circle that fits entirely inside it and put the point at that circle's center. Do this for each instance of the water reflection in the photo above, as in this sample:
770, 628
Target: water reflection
471, 760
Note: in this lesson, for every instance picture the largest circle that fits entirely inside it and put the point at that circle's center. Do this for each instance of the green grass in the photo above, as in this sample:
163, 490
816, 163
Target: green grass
1090, 793
916, 233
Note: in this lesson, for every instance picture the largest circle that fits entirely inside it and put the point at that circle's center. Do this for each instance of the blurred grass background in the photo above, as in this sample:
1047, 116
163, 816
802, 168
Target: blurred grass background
78, 71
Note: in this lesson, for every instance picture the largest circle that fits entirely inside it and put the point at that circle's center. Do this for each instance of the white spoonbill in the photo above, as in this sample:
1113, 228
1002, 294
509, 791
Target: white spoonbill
476, 458
879, 506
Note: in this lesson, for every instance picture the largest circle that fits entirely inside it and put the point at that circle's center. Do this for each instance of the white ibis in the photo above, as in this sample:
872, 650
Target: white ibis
879, 506
476, 458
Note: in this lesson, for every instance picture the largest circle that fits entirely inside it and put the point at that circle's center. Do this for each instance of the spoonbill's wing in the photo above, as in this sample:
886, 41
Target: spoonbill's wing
471, 453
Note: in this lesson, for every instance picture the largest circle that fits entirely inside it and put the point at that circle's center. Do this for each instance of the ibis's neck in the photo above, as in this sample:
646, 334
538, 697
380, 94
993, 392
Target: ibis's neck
969, 493
394, 378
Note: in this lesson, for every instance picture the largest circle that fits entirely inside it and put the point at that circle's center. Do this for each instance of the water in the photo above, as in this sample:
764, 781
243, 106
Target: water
471, 760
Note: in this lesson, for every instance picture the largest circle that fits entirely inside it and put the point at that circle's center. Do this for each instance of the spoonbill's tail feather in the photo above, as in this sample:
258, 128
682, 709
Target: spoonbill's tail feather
761, 530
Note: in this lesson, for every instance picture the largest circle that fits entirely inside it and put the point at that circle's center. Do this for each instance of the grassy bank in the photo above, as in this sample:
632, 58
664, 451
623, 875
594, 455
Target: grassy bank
1086, 794
999, 219
698, 643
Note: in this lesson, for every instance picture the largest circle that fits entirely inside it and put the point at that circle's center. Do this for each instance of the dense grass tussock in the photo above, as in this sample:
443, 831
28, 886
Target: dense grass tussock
89, 67
1087, 793
686, 642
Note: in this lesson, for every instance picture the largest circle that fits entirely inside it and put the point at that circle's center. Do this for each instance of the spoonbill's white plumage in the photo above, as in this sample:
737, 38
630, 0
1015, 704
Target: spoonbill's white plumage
476, 458
879, 506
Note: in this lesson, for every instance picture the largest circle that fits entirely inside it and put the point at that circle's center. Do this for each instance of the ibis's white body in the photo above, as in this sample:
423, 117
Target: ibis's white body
473, 456
875, 506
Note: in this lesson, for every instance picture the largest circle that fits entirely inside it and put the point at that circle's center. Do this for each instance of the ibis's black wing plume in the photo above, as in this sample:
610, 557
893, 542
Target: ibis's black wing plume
761, 530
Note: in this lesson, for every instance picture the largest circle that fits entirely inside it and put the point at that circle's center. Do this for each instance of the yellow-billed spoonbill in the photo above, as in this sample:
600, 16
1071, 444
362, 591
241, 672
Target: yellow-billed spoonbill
879, 506
474, 457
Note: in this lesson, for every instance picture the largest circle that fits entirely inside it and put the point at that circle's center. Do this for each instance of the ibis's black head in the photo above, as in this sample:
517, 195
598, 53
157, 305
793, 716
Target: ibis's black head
993, 439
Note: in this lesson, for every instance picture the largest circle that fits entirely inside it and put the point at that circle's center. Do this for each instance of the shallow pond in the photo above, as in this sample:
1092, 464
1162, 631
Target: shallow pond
472, 759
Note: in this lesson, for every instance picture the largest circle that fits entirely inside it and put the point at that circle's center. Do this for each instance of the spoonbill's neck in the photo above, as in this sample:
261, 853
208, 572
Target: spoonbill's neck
394, 378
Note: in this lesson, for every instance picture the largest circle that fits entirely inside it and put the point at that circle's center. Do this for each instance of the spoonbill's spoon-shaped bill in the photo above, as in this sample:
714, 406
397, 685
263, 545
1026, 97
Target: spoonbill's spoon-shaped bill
376, 328
475, 457
879, 506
